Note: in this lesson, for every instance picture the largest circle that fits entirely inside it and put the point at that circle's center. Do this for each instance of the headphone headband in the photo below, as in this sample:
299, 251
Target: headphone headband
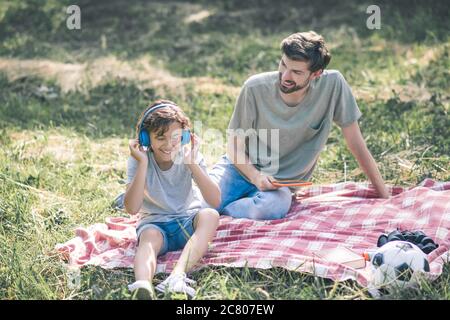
152, 109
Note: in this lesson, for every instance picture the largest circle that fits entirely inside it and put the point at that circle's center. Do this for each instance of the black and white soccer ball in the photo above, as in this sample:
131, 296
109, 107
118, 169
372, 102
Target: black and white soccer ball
398, 264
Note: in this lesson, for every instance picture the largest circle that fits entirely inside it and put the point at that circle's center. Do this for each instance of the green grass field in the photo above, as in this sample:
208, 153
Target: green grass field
69, 100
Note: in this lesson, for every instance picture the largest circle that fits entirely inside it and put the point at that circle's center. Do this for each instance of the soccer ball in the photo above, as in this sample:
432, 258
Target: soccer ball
398, 264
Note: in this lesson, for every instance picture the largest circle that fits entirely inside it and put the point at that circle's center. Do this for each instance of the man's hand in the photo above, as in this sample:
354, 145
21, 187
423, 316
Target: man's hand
137, 152
263, 182
384, 193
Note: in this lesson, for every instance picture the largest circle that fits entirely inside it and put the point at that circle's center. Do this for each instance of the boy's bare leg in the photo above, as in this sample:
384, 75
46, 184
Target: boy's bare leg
205, 225
150, 243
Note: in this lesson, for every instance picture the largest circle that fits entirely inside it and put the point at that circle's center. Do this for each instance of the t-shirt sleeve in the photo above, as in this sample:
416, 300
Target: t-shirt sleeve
132, 165
346, 109
244, 114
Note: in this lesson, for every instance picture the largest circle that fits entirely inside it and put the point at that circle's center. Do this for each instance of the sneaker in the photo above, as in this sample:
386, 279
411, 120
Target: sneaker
177, 283
118, 202
142, 290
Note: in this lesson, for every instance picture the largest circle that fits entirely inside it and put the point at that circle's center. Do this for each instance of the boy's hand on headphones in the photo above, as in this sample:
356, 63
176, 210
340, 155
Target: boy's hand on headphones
190, 151
137, 152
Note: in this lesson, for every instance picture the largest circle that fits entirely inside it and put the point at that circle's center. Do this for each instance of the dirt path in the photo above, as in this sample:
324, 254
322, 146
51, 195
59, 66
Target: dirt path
80, 76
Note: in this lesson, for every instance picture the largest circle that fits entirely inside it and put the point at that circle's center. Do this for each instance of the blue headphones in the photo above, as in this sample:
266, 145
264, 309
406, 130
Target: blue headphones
144, 135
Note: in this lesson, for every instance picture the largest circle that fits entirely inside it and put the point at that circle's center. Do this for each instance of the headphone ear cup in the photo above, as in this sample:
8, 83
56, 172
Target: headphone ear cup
382, 240
395, 235
144, 138
185, 136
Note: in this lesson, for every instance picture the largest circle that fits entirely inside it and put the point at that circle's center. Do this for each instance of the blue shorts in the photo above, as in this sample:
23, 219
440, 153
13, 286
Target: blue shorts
176, 232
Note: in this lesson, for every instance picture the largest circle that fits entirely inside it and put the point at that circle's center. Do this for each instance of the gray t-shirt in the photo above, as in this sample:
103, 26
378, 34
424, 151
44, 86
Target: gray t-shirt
168, 194
291, 152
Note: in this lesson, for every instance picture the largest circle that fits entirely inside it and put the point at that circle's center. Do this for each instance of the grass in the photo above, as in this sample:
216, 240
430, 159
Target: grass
64, 142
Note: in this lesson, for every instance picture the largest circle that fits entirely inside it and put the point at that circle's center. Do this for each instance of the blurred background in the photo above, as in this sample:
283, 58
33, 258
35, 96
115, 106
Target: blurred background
69, 101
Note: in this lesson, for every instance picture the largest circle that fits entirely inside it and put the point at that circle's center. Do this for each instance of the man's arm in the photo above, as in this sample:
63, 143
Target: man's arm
357, 146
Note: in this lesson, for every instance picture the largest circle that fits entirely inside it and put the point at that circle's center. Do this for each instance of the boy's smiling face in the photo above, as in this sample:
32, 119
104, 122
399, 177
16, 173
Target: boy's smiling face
166, 146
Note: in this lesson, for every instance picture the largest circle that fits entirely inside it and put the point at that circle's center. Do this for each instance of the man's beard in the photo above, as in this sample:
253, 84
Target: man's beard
294, 88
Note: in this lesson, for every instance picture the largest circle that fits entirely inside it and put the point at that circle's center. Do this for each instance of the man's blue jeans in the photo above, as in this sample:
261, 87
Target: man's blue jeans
241, 199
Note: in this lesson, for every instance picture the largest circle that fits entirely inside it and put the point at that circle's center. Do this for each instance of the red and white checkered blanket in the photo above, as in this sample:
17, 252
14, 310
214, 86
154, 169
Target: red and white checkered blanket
344, 214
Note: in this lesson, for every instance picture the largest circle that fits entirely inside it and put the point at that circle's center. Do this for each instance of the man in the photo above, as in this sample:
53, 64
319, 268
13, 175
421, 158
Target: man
296, 105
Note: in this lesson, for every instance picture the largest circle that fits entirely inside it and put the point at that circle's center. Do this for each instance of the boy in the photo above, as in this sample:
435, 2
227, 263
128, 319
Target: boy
159, 188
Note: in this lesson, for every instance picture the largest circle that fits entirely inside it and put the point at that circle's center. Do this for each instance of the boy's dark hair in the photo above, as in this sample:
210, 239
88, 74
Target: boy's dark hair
160, 120
309, 47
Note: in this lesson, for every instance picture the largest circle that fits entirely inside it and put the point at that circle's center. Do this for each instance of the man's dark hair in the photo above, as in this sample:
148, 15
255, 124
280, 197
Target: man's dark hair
309, 47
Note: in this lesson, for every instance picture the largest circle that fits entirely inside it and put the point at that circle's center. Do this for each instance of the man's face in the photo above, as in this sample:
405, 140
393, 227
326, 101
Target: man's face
165, 147
293, 75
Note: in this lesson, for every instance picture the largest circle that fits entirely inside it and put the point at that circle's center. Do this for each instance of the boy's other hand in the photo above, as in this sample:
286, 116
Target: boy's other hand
136, 151
190, 151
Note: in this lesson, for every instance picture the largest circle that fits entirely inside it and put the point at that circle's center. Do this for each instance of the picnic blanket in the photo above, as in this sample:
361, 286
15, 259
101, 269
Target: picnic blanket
328, 216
